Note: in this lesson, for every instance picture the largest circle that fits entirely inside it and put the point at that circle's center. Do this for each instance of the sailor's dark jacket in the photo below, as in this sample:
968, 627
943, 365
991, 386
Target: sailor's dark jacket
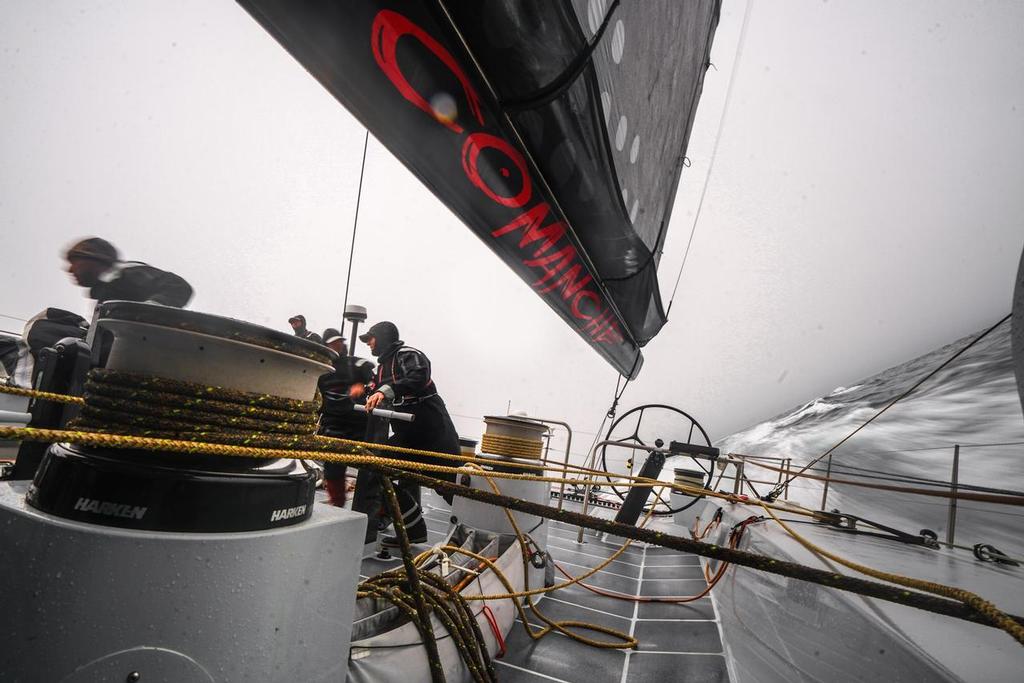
135, 281
311, 336
403, 375
337, 415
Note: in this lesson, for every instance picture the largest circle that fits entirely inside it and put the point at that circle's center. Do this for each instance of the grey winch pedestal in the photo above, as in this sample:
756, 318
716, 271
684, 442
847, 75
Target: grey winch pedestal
137, 566
492, 518
84, 603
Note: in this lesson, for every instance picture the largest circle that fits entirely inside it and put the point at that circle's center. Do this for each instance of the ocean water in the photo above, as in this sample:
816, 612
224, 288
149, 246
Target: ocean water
973, 403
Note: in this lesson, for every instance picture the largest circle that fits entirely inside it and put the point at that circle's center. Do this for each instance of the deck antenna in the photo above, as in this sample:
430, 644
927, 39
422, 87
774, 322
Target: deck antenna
355, 225
714, 148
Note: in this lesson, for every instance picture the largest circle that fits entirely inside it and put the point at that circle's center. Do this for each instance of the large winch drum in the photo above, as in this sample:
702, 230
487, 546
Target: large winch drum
157, 350
515, 445
143, 565
206, 349
513, 436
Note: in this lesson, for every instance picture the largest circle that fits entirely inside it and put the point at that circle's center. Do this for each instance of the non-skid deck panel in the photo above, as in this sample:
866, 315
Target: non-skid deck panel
678, 642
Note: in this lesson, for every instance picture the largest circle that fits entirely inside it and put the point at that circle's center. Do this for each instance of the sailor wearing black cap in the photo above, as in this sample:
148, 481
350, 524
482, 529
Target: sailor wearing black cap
95, 263
340, 390
403, 380
298, 323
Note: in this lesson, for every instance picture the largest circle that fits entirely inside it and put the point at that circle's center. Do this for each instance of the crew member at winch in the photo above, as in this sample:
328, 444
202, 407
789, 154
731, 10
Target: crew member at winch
404, 383
95, 263
340, 390
298, 323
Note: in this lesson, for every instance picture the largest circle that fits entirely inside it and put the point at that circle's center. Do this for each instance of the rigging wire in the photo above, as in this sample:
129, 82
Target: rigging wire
616, 395
959, 494
884, 475
778, 489
950, 445
714, 148
910, 479
355, 225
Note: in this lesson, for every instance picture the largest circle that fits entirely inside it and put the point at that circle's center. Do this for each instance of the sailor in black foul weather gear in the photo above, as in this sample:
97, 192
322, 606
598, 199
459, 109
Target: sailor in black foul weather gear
298, 323
340, 391
95, 263
403, 380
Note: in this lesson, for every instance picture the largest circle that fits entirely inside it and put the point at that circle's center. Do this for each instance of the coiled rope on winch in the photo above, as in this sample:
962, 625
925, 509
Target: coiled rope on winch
140, 405
511, 446
355, 453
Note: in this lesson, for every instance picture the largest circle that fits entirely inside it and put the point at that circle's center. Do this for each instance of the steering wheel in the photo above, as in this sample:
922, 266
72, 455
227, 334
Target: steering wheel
655, 425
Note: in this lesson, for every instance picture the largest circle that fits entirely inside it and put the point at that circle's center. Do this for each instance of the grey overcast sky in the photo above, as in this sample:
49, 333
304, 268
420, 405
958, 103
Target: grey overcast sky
865, 204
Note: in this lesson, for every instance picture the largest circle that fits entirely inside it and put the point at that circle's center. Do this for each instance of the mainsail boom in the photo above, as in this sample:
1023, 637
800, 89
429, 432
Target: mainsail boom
527, 122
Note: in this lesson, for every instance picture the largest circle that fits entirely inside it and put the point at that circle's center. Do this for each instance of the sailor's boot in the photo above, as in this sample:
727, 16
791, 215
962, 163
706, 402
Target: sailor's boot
412, 518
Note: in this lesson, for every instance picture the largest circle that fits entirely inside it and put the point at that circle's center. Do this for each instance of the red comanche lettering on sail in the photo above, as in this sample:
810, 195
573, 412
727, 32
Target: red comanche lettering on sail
544, 248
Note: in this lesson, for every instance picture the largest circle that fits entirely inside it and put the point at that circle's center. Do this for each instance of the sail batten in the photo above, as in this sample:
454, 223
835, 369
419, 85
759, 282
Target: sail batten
527, 121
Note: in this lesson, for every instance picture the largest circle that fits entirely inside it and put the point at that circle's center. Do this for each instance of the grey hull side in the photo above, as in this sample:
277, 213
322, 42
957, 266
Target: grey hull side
780, 629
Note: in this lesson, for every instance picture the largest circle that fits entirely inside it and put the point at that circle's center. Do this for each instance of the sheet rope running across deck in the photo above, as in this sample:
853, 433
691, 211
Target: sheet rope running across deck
361, 454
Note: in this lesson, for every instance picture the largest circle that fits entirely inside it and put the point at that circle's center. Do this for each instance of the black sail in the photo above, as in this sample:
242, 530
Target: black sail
555, 130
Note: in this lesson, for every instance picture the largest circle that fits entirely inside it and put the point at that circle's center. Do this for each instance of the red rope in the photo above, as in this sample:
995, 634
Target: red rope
496, 631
